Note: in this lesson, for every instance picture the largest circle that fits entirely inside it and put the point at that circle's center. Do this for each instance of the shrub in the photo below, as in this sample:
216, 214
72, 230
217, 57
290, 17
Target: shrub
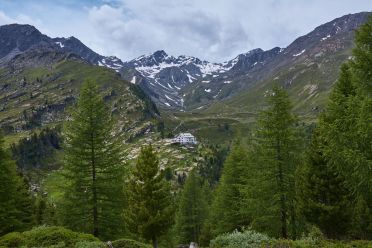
51, 237
47, 236
306, 243
128, 243
90, 244
246, 239
14, 239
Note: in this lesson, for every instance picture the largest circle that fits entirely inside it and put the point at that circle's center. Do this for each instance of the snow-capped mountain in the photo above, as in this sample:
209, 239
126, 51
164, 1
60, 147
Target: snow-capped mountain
187, 82
163, 76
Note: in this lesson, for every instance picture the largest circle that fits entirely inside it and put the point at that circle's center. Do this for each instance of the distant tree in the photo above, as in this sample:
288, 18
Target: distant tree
211, 164
16, 204
93, 195
192, 210
150, 211
38, 151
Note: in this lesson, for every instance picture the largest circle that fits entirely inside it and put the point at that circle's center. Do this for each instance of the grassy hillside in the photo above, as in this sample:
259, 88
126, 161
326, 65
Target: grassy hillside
33, 98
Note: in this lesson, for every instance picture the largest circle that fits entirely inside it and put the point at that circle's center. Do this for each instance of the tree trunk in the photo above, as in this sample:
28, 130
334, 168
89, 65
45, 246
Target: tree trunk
94, 190
154, 242
283, 207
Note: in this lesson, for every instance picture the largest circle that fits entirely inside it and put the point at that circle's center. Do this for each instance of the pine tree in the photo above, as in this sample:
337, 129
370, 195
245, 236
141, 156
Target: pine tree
16, 205
324, 198
275, 158
93, 168
150, 211
347, 126
226, 214
192, 210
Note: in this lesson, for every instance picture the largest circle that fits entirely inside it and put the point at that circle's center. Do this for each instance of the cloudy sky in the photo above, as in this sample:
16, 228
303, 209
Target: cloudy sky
215, 30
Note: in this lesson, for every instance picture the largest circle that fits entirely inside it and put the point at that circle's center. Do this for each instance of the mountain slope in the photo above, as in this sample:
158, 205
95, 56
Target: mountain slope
187, 83
307, 68
16, 39
39, 85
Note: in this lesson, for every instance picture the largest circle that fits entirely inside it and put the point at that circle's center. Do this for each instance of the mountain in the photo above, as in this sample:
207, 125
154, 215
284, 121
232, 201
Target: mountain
187, 83
16, 39
40, 79
307, 68
163, 76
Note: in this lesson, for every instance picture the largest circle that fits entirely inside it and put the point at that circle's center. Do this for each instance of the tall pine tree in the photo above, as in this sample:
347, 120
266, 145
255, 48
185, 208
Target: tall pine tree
347, 128
324, 197
226, 214
192, 210
16, 205
275, 157
93, 168
150, 211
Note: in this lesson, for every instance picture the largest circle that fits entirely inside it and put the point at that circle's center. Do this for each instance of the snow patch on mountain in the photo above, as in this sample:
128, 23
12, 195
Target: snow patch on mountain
298, 54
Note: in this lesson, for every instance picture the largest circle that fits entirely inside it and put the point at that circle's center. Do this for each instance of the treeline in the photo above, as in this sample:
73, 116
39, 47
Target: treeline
38, 151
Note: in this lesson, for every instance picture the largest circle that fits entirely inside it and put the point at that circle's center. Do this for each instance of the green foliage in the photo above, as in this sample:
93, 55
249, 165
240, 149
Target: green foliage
274, 158
150, 208
304, 243
324, 199
128, 243
93, 195
37, 151
226, 214
347, 131
90, 244
13, 239
253, 239
192, 210
47, 237
16, 204
211, 164
245, 239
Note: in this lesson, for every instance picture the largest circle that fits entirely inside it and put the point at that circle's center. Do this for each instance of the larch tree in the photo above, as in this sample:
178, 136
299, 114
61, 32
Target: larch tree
93, 195
324, 198
225, 214
150, 211
275, 158
347, 126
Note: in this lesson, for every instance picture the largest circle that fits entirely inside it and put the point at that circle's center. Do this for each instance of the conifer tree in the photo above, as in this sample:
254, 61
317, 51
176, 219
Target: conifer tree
324, 197
16, 205
275, 158
192, 210
93, 168
226, 214
150, 211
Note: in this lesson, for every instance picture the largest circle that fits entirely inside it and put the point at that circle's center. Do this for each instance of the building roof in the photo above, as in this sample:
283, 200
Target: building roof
185, 135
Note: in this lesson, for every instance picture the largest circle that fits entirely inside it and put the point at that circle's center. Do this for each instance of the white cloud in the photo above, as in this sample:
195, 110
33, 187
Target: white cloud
215, 30
21, 18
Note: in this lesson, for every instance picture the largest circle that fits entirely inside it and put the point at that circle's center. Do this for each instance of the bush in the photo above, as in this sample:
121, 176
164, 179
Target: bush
128, 243
89, 244
246, 239
306, 243
51, 237
47, 236
14, 239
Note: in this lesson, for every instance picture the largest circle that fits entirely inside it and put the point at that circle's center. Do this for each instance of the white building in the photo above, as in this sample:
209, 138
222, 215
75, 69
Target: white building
185, 138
